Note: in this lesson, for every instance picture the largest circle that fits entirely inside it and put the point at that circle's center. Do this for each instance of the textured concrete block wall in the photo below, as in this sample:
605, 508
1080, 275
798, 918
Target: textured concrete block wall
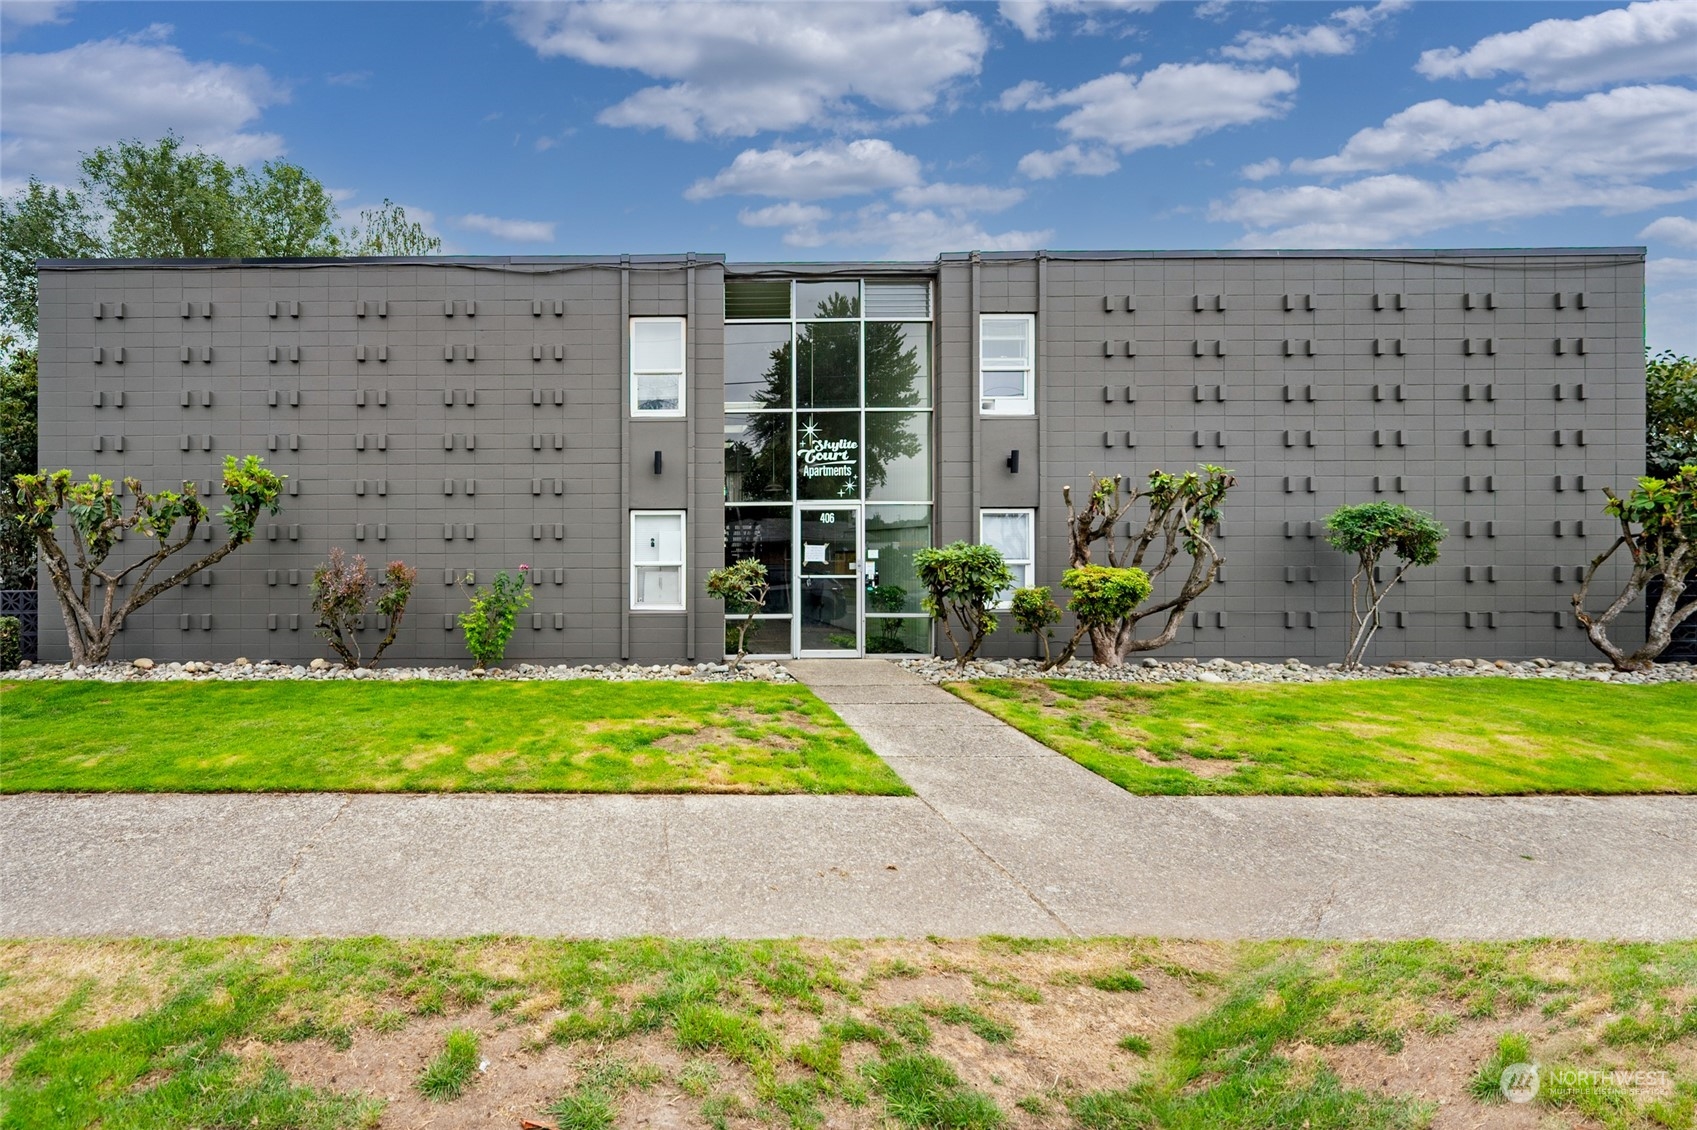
1500, 392
462, 417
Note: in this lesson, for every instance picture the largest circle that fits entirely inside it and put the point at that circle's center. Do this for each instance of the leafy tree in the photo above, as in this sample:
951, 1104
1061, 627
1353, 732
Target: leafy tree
1658, 528
164, 200
40, 222
1670, 387
167, 202
1369, 531
961, 582
17, 457
98, 523
1184, 513
341, 595
1034, 611
385, 230
743, 587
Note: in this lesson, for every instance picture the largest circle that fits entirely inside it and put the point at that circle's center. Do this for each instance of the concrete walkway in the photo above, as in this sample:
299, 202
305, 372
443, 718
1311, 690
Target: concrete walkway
1005, 836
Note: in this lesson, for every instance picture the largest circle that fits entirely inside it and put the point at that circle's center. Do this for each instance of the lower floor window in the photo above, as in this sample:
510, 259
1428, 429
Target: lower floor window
657, 560
1009, 531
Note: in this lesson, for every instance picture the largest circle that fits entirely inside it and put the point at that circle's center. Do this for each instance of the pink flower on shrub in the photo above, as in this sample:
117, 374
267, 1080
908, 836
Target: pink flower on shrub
524, 568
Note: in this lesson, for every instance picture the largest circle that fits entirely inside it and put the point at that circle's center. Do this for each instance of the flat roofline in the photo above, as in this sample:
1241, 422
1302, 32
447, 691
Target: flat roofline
827, 268
1307, 253
534, 262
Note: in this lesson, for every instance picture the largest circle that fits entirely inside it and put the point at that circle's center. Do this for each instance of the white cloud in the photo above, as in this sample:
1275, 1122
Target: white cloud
1630, 132
348, 78
1261, 170
787, 215
61, 103
16, 15
512, 231
1169, 105
1681, 231
1031, 17
1670, 321
1661, 272
1046, 164
1340, 34
960, 197
1650, 40
922, 233
834, 169
737, 69
1393, 208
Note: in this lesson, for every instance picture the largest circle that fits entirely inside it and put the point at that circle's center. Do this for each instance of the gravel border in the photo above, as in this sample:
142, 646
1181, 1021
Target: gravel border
242, 670
1293, 671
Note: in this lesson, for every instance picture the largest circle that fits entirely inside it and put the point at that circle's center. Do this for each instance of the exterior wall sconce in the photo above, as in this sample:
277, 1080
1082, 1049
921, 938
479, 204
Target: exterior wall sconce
656, 462
1013, 462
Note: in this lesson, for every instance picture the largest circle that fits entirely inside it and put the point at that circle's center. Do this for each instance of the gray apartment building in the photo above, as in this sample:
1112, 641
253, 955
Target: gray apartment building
623, 424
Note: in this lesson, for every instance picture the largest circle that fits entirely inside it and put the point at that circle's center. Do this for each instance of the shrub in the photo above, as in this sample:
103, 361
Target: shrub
961, 582
341, 596
886, 598
743, 587
495, 608
1102, 597
11, 643
1369, 531
1034, 611
1658, 527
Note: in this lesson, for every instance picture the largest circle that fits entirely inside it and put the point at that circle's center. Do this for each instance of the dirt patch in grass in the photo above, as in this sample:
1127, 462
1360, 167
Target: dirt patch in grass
718, 737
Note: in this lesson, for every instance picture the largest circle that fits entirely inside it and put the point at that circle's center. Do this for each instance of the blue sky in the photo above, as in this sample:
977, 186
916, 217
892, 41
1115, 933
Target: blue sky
874, 130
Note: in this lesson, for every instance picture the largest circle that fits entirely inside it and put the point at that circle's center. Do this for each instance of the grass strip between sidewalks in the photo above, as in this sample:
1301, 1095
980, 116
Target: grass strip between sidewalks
1106, 1034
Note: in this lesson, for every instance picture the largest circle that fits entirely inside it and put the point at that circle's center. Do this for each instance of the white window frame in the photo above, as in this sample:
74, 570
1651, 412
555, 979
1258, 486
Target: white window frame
1023, 569
681, 372
681, 564
1026, 404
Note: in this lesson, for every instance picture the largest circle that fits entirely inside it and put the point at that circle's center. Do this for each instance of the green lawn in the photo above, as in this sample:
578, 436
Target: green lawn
1104, 1034
1414, 737
568, 736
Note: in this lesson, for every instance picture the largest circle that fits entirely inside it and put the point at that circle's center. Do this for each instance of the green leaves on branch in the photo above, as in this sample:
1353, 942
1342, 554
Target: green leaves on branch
1368, 531
87, 590
495, 608
961, 582
1101, 595
1658, 529
743, 587
1035, 612
1670, 393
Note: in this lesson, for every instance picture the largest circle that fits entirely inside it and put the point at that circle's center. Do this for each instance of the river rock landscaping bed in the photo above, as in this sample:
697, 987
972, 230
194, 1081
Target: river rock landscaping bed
1153, 670
146, 670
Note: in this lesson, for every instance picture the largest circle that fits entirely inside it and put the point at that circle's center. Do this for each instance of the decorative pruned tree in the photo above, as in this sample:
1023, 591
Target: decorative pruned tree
743, 586
1034, 611
98, 523
1368, 531
961, 582
1184, 513
1658, 527
341, 595
1102, 597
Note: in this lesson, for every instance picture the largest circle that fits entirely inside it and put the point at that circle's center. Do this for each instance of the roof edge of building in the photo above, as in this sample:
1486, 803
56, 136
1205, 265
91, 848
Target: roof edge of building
497, 262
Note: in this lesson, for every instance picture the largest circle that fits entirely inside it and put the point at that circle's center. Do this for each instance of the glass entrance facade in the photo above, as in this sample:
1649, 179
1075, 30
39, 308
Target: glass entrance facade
828, 416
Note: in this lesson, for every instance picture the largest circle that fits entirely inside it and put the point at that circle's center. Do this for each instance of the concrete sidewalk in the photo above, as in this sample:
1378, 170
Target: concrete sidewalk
1004, 836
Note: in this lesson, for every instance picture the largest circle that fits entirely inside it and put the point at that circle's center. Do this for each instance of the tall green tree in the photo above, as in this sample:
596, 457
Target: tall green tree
386, 230
40, 222
17, 457
1670, 390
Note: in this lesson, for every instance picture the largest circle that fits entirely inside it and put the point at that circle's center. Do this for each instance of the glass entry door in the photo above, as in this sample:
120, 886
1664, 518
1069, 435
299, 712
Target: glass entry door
828, 581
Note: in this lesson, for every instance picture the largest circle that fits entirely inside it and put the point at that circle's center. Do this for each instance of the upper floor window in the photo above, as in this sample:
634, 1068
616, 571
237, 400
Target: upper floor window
1007, 364
657, 366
